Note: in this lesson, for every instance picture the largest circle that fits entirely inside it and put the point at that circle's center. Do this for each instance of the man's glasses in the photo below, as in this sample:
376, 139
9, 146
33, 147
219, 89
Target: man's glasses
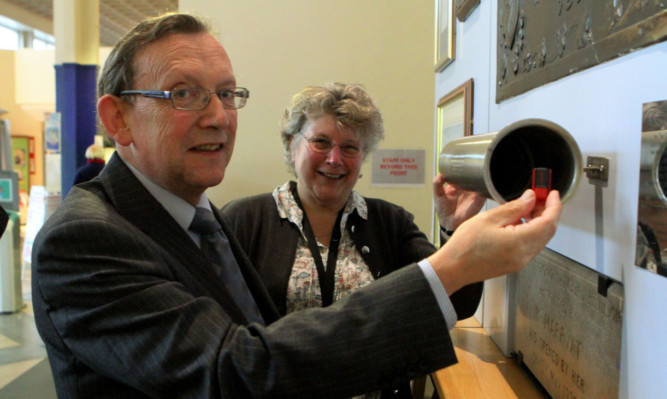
323, 146
197, 98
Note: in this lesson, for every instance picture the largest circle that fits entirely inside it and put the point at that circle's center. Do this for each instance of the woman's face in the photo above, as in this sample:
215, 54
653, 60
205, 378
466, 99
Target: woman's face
326, 179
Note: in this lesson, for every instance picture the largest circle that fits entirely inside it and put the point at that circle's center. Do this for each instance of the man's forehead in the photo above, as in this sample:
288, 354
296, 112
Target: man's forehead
185, 55
182, 46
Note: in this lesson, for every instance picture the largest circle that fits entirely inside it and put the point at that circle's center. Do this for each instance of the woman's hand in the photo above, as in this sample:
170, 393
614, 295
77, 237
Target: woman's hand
454, 205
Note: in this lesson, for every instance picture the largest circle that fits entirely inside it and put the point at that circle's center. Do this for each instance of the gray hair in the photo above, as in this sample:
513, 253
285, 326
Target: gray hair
350, 104
118, 72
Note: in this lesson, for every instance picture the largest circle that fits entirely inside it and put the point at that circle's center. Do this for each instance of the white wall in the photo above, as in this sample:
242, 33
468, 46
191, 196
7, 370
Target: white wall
278, 48
601, 108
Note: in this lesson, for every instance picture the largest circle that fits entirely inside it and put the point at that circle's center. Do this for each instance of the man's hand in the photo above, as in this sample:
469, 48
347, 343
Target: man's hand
453, 205
497, 242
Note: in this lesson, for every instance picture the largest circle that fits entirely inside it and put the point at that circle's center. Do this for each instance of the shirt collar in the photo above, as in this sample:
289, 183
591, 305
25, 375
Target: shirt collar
177, 207
289, 209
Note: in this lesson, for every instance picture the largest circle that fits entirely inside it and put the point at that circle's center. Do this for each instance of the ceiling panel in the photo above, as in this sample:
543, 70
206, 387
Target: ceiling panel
116, 16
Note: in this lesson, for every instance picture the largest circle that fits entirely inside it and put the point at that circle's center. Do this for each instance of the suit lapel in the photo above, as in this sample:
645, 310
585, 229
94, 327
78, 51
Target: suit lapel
185, 260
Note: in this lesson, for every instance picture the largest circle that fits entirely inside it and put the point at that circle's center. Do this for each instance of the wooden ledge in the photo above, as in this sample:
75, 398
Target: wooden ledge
483, 371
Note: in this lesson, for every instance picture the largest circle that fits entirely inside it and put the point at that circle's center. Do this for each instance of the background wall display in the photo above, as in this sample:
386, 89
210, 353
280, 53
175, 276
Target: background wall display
445, 33
651, 251
542, 41
21, 154
455, 114
464, 8
52, 132
9, 192
454, 120
398, 168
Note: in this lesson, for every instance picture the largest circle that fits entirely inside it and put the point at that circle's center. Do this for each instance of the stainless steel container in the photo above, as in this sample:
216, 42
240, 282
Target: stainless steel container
653, 167
499, 165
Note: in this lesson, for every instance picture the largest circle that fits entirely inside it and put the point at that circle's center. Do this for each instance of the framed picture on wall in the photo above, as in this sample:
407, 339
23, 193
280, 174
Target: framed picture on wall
454, 120
21, 155
464, 8
445, 23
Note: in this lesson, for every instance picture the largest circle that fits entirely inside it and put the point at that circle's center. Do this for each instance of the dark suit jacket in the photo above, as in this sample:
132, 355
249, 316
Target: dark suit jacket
128, 307
387, 240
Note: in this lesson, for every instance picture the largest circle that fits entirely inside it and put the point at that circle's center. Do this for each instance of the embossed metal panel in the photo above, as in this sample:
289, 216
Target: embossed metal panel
651, 251
540, 41
567, 333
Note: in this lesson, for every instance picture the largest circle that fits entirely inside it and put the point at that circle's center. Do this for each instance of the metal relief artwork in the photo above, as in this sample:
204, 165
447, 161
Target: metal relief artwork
567, 332
651, 251
541, 41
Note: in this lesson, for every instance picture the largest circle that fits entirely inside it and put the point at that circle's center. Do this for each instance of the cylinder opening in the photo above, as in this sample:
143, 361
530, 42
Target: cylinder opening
519, 151
662, 172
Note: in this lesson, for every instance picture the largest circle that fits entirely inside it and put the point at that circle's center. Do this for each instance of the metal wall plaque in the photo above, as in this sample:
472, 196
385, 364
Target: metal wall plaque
651, 251
542, 41
566, 332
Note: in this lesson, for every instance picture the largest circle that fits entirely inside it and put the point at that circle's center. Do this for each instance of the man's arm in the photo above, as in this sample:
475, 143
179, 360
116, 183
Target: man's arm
118, 303
126, 310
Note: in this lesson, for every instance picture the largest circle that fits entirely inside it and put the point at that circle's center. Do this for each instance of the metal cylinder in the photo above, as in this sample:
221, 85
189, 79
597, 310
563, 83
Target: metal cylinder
653, 167
499, 165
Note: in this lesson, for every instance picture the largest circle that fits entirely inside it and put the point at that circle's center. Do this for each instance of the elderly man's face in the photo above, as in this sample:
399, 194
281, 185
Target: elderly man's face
185, 152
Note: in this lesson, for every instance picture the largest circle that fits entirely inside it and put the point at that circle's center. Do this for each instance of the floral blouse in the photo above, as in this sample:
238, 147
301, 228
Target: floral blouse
303, 289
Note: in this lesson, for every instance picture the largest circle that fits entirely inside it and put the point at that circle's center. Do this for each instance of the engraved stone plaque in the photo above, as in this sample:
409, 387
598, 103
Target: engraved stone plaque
567, 333
542, 41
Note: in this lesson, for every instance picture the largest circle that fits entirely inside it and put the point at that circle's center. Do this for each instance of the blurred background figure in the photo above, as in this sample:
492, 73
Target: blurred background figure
94, 164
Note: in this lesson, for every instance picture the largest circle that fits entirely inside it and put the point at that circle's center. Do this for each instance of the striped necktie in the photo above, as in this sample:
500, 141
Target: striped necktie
216, 248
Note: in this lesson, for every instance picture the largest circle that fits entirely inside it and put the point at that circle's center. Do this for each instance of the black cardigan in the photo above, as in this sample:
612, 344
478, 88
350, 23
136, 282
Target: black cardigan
387, 241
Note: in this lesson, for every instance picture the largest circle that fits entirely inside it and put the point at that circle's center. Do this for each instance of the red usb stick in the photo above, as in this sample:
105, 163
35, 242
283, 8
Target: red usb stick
541, 183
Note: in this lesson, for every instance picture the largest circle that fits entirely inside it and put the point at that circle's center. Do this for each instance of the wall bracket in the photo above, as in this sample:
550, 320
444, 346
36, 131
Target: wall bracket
597, 169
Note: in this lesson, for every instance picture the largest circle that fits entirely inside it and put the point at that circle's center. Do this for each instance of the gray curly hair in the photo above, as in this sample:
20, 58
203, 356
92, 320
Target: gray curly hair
350, 104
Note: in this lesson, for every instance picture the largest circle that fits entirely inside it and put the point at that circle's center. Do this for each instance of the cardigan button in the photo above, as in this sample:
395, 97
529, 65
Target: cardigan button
365, 249
352, 229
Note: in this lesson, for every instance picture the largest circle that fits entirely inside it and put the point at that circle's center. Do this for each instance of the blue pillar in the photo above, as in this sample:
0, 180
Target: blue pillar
76, 101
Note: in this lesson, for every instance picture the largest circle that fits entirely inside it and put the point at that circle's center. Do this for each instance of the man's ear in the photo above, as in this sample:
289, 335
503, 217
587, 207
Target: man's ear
112, 112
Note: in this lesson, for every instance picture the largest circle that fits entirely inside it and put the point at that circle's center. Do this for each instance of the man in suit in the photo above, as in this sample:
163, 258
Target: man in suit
129, 306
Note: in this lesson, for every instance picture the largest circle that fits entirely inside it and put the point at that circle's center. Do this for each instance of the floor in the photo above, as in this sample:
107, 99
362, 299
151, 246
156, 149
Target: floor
24, 368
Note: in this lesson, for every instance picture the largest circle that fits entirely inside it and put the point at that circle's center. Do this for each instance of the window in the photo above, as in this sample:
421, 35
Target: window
41, 44
9, 38
15, 35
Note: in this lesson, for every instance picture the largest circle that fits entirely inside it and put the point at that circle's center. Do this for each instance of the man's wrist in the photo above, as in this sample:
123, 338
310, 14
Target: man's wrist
446, 231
